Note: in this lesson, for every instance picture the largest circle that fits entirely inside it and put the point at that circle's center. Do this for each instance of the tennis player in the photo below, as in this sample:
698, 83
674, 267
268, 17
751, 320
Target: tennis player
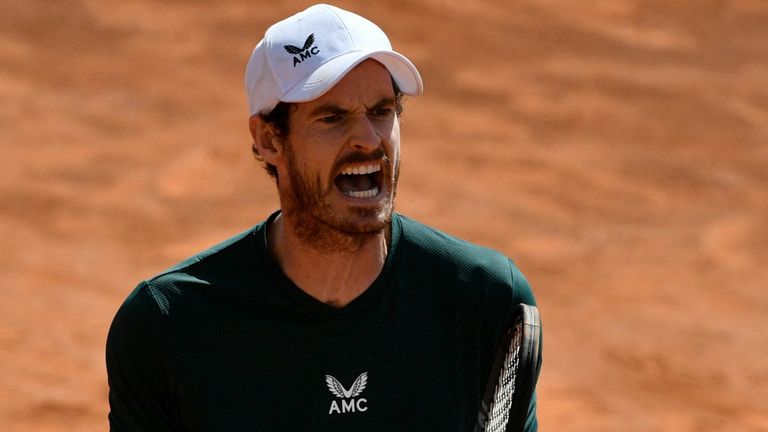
336, 313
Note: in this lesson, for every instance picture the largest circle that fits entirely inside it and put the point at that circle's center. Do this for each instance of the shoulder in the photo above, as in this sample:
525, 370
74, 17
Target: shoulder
230, 252
437, 244
159, 307
214, 266
471, 265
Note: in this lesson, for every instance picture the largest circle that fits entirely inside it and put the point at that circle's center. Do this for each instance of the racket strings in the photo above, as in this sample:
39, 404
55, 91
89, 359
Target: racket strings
498, 415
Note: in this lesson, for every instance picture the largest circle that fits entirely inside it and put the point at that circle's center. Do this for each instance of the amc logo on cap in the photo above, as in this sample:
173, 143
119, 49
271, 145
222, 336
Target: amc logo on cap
304, 52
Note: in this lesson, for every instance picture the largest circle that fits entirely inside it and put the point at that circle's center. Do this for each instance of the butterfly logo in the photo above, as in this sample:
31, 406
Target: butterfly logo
296, 50
335, 387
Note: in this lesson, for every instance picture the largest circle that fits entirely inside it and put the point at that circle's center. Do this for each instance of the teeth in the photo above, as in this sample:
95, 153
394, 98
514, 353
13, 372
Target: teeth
358, 170
364, 194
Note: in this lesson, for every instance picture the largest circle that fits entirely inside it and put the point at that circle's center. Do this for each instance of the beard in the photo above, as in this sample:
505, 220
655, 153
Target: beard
308, 204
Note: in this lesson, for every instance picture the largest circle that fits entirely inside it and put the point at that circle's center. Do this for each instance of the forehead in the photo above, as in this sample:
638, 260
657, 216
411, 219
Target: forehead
366, 84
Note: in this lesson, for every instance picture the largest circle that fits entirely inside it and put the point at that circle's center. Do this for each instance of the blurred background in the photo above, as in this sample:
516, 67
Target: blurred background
617, 150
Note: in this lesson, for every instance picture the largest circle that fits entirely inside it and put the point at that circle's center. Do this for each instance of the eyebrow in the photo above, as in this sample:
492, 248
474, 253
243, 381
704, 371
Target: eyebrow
331, 108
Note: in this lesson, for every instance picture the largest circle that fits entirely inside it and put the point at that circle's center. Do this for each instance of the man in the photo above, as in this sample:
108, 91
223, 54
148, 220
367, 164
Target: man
336, 313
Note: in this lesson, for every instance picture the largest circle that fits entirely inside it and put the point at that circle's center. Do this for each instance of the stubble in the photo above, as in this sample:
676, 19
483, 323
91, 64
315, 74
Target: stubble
314, 220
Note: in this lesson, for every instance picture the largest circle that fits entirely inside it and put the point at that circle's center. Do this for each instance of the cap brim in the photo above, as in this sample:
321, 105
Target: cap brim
331, 72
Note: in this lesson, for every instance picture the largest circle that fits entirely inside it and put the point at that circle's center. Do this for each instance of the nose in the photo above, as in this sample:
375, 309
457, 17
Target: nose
364, 135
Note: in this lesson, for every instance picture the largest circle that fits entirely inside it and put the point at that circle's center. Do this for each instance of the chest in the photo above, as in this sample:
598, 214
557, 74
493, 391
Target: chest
390, 370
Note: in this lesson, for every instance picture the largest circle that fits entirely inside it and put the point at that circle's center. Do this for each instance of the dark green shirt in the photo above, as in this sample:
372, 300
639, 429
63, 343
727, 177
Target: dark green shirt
224, 341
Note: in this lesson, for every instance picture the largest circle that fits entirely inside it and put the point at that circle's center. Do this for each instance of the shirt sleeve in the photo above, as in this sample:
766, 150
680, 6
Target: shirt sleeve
140, 396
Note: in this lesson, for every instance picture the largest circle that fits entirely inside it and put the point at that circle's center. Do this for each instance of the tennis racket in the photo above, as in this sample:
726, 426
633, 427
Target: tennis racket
513, 377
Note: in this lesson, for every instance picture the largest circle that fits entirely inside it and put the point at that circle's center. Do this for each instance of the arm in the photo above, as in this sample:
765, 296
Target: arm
140, 396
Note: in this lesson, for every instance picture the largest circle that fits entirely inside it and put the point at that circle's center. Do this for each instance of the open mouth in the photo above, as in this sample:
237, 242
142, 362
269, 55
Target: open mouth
360, 181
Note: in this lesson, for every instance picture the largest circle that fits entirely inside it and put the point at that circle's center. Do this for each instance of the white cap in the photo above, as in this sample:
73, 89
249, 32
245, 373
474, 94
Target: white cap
303, 56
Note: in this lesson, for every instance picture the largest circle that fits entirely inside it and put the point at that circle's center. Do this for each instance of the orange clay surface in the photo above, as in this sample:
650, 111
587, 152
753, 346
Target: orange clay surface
616, 150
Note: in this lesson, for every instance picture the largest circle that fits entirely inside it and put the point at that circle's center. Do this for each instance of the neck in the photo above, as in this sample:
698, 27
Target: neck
334, 276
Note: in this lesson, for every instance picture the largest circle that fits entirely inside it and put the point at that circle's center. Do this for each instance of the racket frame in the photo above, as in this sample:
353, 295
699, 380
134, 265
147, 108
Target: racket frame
526, 317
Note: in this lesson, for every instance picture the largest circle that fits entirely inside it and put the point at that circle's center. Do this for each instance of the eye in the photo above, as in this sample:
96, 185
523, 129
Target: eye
382, 112
330, 119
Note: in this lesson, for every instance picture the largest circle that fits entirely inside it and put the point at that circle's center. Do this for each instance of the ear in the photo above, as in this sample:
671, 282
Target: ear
265, 140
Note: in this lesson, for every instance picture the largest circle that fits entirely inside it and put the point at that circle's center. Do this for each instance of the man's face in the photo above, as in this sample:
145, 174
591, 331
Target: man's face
342, 156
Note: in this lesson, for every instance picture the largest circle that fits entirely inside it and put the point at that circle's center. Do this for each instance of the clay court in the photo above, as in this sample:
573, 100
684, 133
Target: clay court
617, 150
